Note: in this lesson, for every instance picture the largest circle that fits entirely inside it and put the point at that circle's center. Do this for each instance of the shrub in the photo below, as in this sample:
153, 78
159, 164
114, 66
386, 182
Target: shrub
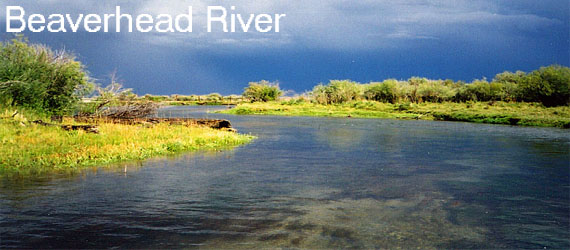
262, 91
510, 91
479, 90
115, 95
435, 91
337, 91
386, 91
183, 98
36, 77
156, 98
410, 89
548, 85
509, 77
215, 97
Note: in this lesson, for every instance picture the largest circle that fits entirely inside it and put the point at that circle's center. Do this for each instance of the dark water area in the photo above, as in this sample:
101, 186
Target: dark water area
313, 183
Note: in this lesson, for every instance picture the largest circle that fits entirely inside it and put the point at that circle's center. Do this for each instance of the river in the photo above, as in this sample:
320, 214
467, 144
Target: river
309, 182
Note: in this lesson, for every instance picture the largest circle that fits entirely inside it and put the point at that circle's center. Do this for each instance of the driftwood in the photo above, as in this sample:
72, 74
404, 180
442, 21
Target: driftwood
212, 123
136, 110
87, 128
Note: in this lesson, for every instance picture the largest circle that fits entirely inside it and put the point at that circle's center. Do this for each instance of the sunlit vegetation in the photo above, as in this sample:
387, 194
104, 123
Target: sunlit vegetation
36, 77
547, 85
40, 91
525, 114
262, 91
29, 149
539, 98
189, 100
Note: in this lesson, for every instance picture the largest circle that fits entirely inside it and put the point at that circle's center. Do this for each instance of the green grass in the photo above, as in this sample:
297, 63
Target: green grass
192, 103
360, 109
524, 114
30, 150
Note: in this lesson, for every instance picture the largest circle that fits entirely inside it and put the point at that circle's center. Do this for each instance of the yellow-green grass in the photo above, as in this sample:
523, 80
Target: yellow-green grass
525, 114
197, 103
356, 109
29, 150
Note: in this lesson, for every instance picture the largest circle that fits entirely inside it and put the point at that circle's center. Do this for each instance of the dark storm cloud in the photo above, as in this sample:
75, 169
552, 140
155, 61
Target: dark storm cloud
320, 40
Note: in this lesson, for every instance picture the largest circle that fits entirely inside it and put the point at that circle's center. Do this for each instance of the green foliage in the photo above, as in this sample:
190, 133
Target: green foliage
386, 91
548, 85
435, 91
262, 91
403, 106
215, 97
36, 77
478, 90
337, 91
156, 98
293, 101
115, 95
510, 91
410, 89
509, 77
28, 149
522, 114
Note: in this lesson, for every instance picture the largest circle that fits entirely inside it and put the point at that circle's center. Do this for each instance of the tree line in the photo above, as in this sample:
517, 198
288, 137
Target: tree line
39, 78
548, 85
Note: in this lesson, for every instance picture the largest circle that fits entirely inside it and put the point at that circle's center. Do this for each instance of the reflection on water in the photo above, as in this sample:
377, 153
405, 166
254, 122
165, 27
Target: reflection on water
313, 183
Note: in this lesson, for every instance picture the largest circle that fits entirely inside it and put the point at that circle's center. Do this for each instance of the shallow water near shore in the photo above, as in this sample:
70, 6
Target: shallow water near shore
311, 182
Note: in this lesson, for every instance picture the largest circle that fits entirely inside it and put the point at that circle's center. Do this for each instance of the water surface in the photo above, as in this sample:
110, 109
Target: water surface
313, 183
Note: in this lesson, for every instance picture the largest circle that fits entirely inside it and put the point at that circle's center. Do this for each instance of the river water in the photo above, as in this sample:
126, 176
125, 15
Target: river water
313, 183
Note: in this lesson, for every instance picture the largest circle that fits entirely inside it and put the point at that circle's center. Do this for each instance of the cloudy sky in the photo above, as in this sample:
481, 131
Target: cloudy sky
362, 40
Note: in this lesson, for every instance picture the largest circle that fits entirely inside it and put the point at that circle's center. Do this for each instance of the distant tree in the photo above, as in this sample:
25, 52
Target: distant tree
262, 91
386, 91
337, 91
548, 85
509, 83
215, 97
435, 91
509, 77
409, 90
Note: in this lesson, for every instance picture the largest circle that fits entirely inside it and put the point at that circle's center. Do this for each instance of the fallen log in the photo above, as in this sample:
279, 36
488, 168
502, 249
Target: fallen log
212, 123
87, 128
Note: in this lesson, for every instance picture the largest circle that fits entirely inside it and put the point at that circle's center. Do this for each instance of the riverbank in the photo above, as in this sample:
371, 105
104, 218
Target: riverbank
523, 114
28, 149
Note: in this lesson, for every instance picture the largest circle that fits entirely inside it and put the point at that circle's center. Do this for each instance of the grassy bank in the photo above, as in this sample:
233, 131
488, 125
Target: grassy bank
524, 114
29, 149
194, 103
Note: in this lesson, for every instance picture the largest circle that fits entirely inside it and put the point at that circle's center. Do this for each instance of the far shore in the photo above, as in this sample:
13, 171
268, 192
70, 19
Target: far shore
520, 114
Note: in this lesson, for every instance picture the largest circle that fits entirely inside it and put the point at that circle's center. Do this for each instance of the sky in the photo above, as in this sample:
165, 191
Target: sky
319, 40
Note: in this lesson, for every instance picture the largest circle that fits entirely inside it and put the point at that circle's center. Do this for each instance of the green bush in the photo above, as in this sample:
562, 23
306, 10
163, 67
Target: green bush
156, 98
262, 91
36, 77
386, 91
480, 90
410, 89
548, 85
510, 90
215, 97
435, 91
337, 91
